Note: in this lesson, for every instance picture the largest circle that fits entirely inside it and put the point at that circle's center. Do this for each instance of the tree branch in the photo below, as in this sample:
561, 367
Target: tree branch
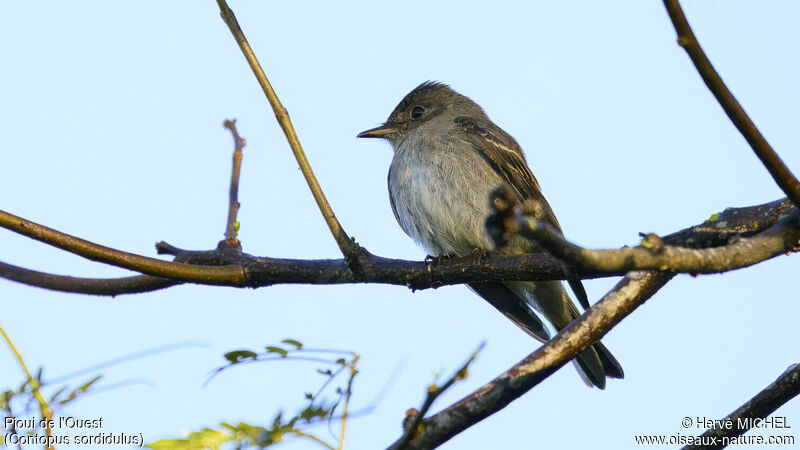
414, 417
222, 276
92, 286
231, 227
776, 167
244, 270
346, 245
626, 296
509, 219
766, 402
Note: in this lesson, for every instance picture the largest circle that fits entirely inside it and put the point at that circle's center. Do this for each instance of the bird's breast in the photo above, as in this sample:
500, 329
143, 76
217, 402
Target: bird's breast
440, 196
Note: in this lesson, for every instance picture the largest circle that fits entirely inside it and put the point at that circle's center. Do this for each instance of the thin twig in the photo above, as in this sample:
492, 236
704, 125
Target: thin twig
94, 368
44, 408
414, 417
776, 167
231, 228
766, 402
91, 286
226, 276
346, 245
353, 372
313, 438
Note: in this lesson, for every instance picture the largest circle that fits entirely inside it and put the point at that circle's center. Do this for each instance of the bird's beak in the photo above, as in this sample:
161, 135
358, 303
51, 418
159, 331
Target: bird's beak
382, 131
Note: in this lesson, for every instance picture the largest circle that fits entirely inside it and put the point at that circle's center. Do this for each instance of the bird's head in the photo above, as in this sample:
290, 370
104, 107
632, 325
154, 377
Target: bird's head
429, 102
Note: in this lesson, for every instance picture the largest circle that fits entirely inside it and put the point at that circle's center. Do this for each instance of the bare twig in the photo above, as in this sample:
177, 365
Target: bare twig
776, 167
225, 276
231, 228
348, 393
414, 417
783, 389
346, 245
626, 296
91, 286
319, 441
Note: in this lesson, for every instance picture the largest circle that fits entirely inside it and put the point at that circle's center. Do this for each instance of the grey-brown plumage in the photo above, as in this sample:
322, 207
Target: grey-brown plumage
448, 158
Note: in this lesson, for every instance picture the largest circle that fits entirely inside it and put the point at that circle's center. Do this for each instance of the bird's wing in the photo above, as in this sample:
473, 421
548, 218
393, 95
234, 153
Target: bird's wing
505, 156
513, 307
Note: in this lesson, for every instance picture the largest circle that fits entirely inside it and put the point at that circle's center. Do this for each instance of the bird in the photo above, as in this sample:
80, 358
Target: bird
448, 158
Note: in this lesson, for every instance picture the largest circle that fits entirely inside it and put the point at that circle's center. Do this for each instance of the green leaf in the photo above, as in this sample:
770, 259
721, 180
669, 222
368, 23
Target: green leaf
278, 350
85, 386
203, 439
237, 356
58, 392
297, 344
313, 412
82, 389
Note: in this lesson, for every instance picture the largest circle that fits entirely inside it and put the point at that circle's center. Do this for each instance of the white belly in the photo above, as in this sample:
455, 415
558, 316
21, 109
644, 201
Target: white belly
441, 198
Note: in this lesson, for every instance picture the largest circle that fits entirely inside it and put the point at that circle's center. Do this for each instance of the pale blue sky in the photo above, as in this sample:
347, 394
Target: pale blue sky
110, 129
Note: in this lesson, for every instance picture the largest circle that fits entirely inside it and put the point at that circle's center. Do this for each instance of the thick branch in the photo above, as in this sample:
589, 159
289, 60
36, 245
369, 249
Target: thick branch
766, 402
510, 218
346, 245
776, 167
626, 296
250, 271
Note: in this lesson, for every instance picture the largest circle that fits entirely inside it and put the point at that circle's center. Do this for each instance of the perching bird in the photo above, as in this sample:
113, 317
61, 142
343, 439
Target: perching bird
448, 158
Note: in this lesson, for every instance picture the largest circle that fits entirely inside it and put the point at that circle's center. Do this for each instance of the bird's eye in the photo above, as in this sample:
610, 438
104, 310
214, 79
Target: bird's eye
417, 112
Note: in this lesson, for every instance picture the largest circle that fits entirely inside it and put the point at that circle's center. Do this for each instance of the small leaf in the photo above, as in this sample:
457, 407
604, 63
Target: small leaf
297, 344
277, 350
325, 372
85, 386
313, 412
341, 361
309, 396
237, 356
54, 397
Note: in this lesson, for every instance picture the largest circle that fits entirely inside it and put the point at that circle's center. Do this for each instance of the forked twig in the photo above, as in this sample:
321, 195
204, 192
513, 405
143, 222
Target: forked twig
346, 245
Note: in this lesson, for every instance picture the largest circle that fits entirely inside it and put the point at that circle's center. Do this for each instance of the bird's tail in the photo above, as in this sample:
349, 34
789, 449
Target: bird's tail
594, 363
